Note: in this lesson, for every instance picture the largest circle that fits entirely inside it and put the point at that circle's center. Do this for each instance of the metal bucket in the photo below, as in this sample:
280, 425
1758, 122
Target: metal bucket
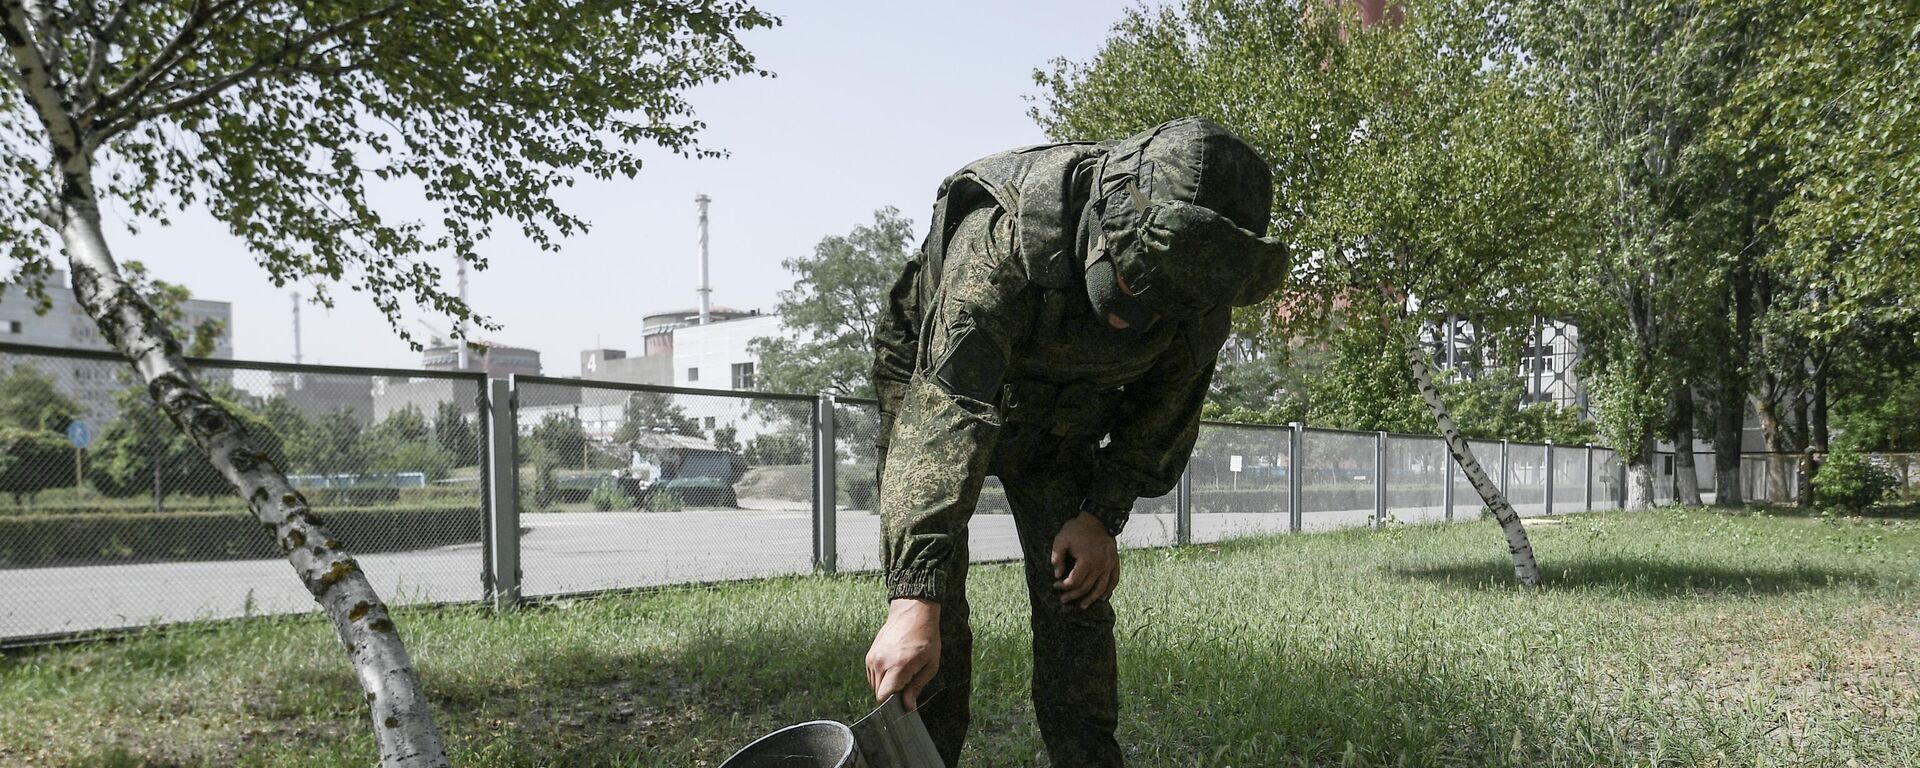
819, 744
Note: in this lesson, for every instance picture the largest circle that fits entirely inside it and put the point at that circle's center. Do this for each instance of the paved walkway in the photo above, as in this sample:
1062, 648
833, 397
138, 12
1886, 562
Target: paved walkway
560, 553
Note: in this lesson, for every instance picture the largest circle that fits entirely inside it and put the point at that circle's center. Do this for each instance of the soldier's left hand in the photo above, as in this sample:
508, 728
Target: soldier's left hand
1096, 561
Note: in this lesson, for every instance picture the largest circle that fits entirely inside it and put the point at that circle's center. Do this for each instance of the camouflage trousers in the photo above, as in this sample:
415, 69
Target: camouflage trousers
1075, 685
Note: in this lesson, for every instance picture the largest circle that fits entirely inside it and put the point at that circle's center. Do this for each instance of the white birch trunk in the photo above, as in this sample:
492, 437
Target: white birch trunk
1640, 475
1686, 479
403, 726
1524, 567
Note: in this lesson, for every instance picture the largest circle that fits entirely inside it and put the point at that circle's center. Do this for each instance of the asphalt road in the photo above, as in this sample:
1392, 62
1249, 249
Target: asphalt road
560, 553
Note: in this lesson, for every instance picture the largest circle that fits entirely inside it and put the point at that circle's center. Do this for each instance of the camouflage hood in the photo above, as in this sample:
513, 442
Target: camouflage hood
1178, 213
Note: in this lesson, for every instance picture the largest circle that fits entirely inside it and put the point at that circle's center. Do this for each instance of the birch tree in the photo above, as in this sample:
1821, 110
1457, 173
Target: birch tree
280, 117
1426, 183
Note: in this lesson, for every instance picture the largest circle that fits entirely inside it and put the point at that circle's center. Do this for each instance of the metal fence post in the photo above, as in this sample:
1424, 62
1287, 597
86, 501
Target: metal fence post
1589, 474
1549, 473
826, 499
1446, 477
1503, 470
1183, 508
1295, 452
503, 494
1620, 474
1379, 478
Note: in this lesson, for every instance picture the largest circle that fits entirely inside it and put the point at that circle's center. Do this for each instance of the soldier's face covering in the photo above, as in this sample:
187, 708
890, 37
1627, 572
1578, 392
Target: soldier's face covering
1111, 299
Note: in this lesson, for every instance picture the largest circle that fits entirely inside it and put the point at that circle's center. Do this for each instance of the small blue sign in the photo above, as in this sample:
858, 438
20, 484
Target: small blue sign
79, 434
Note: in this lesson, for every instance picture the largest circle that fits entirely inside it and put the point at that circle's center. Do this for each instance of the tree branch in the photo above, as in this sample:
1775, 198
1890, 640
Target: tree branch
16, 30
274, 63
101, 41
170, 56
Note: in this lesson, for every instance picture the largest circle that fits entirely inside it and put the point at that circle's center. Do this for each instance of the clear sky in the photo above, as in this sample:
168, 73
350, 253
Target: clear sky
873, 103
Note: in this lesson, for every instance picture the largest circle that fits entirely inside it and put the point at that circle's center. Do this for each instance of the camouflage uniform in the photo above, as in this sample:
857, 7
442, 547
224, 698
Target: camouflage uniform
989, 360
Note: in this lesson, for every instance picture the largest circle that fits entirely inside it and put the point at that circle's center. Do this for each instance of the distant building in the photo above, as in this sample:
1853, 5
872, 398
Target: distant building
615, 365
323, 394
679, 352
654, 365
388, 395
1547, 361
715, 356
497, 360
66, 324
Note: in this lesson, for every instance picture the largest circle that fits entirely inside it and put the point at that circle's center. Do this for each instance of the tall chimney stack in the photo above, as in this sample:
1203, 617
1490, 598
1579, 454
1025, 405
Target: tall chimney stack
296, 327
461, 343
706, 290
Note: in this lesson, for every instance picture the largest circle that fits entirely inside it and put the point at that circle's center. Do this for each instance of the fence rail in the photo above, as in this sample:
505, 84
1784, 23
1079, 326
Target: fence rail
540, 486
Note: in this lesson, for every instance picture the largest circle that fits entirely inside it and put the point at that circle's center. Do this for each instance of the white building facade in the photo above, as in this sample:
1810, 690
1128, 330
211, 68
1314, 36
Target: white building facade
717, 356
92, 384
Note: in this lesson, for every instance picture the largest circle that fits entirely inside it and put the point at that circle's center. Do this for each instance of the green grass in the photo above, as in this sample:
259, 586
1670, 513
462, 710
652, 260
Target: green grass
1675, 638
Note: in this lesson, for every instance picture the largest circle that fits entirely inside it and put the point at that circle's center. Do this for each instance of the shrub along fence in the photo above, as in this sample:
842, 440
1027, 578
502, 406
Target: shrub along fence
450, 487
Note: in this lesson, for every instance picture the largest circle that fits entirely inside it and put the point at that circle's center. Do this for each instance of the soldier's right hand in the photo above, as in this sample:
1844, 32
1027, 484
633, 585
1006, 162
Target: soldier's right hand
906, 651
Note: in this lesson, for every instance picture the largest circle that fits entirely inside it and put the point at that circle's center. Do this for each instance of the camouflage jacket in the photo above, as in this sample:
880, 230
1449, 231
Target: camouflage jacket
990, 324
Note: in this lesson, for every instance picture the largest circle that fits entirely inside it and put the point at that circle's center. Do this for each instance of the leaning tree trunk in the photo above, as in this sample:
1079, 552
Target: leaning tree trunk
403, 727
1524, 567
402, 724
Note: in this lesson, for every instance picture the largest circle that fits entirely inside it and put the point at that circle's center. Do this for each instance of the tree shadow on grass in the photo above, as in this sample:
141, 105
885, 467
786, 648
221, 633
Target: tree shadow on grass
1646, 576
1220, 698
699, 702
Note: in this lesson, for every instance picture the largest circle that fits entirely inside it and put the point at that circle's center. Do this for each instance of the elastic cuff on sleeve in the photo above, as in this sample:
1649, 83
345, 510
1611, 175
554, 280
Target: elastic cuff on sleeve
919, 583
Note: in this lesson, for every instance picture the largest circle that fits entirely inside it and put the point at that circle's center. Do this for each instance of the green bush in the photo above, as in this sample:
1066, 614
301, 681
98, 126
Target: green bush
1848, 483
608, 496
36, 541
694, 492
32, 461
858, 486
777, 448
142, 448
664, 501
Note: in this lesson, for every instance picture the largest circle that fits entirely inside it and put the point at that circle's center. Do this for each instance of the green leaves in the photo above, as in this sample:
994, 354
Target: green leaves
1831, 108
830, 314
275, 114
1420, 178
1416, 172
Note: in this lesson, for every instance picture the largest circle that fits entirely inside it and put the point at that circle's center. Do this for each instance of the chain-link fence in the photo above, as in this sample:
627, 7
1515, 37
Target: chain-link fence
626, 485
110, 518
